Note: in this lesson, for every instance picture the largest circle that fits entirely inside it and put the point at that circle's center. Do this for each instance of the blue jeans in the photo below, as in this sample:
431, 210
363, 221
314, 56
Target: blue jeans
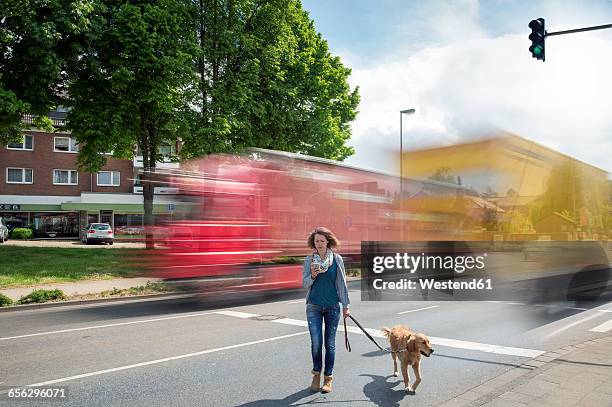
315, 315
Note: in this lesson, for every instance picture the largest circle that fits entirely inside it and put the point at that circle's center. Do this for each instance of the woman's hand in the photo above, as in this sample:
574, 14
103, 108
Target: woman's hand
345, 312
314, 270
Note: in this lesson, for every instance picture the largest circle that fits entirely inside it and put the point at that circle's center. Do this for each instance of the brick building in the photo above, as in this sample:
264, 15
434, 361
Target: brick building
42, 188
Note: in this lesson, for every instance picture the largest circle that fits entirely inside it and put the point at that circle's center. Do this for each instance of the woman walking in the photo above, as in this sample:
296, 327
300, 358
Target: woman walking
325, 278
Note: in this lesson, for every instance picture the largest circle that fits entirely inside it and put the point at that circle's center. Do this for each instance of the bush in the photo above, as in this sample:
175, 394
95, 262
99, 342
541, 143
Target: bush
42, 296
22, 233
5, 301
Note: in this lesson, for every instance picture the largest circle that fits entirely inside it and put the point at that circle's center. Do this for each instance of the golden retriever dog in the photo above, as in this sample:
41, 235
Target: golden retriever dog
408, 346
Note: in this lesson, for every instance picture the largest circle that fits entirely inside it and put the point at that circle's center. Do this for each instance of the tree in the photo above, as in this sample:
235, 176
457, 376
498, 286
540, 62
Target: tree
267, 79
443, 174
489, 193
131, 84
217, 75
36, 38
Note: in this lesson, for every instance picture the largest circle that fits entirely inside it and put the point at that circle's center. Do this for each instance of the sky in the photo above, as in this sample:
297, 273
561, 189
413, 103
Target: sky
465, 67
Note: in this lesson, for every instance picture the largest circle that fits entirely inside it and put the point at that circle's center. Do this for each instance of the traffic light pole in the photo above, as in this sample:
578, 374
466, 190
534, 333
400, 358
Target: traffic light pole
577, 30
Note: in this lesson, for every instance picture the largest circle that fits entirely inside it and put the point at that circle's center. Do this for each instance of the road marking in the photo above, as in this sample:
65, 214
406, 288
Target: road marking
605, 327
106, 326
237, 314
604, 310
536, 305
418, 309
295, 301
157, 361
568, 326
451, 343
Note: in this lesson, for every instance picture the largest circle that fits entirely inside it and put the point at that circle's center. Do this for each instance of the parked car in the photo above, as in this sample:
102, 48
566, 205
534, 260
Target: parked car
98, 232
4, 232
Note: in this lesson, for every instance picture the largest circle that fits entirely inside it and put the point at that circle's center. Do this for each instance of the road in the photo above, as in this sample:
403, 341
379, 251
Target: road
181, 352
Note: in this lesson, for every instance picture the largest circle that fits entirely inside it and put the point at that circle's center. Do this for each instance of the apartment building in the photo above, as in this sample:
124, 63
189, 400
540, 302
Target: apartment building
42, 188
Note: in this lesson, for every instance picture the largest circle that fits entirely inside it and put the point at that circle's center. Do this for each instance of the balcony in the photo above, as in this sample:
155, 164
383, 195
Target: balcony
163, 165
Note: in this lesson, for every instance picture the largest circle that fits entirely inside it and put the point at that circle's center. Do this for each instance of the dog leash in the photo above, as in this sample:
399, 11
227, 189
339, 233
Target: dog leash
346, 340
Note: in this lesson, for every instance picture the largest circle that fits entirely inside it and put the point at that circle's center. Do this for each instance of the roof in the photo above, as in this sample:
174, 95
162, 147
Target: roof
557, 214
484, 204
509, 201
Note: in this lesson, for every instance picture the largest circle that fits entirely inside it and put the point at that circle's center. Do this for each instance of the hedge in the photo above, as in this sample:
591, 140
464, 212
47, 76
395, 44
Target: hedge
22, 233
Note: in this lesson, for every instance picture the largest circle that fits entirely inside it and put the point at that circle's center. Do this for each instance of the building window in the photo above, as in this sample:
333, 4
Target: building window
18, 175
108, 178
65, 177
128, 224
56, 224
166, 150
65, 145
27, 143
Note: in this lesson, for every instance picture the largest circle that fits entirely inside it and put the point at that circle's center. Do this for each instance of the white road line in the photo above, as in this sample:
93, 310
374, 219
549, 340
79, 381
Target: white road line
418, 309
484, 347
605, 327
157, 361
604, 310
106, 326
451, 343
237, 314
568, 326
295, 301
537, 305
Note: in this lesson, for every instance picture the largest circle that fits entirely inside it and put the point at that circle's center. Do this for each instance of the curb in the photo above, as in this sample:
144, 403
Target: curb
495, 387
134, 298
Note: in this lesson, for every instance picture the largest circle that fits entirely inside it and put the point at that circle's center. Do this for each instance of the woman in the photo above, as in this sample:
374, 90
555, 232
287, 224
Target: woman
325, 278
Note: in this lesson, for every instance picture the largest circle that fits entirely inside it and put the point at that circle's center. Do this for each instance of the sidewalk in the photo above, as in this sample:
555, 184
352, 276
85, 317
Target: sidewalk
578, 375
81, 287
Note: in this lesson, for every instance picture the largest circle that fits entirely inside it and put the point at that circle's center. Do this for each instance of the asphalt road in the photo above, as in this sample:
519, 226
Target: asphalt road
257, 353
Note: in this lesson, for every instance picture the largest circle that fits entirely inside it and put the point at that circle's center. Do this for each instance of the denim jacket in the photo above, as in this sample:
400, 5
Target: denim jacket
340, 279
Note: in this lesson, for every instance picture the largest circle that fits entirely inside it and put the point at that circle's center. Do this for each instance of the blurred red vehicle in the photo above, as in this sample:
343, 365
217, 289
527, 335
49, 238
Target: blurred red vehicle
241, 222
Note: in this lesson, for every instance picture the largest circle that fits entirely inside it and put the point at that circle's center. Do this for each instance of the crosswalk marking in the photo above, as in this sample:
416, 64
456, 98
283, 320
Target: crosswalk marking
237, 314
605, 327
451, 343
418, 309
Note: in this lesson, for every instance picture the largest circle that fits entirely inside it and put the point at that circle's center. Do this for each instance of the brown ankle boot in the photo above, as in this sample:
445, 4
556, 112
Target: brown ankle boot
316, 381
327, 384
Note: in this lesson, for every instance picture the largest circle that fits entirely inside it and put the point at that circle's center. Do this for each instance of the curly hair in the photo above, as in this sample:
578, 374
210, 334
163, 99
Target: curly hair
332, 240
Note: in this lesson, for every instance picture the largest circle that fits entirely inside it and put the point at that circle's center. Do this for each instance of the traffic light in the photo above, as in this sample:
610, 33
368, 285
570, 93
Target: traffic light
537, 37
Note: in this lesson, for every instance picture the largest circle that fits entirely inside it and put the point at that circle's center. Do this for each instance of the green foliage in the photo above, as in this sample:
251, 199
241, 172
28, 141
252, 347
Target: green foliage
515, 221
267, 79
5, 301
132, 83
149, 288
578, 192
443, 174
37, 37
490, 219
21, 233
38, 296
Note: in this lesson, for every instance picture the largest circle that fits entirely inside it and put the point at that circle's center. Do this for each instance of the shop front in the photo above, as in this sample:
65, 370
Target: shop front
67, 217
46, 221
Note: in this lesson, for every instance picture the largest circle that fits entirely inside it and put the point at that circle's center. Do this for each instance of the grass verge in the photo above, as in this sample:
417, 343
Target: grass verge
42, 296
25, 266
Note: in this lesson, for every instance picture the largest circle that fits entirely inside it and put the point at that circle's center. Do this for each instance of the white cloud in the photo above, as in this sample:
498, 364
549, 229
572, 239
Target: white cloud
476, 83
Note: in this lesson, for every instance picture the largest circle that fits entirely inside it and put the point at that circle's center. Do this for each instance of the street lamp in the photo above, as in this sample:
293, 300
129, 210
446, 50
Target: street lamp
402, 112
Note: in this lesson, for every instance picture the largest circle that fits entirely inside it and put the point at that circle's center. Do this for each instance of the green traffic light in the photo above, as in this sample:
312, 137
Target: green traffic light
537, 50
